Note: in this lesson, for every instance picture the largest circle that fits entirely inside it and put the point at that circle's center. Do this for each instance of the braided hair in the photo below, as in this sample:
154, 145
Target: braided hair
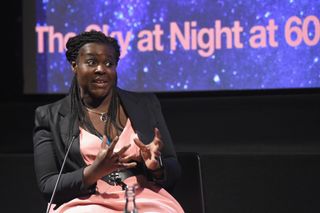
75, 43
77, 107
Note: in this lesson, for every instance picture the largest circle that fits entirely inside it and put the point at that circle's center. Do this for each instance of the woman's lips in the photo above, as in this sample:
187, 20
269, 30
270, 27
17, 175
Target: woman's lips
100, 83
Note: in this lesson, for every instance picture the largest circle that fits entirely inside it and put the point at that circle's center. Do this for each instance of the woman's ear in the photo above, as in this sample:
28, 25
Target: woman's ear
74, 67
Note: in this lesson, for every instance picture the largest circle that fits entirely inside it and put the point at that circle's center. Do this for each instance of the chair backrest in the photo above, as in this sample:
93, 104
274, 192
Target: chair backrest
189, 189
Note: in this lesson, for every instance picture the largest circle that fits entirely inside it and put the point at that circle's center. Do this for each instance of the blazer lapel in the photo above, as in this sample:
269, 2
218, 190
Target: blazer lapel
141, 118
66, 136
64, 121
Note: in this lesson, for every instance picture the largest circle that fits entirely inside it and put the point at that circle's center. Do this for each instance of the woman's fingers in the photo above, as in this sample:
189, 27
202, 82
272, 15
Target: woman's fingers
127, 165
157, 138
123, 150
130, 165
116, 156
130, 158
104, 142
157, 133
126, 159
109, 154
140, 144
157, 154
113, 143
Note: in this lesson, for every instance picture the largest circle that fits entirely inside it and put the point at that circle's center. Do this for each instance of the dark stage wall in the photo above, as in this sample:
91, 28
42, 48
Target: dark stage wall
260, 151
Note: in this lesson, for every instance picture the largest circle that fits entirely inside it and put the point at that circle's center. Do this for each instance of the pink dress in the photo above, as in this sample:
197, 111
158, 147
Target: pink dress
149, 197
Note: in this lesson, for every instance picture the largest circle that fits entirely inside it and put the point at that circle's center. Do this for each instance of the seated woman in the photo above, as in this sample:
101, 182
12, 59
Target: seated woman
116, 139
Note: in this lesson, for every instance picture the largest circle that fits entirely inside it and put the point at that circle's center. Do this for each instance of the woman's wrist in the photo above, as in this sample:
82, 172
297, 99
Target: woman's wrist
91, 175
158, 173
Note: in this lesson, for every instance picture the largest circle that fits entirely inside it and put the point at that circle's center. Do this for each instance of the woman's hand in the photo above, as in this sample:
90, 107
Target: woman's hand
107, 161
151, 153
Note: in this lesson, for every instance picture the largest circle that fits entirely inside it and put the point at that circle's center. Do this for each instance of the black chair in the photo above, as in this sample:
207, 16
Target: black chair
189, 189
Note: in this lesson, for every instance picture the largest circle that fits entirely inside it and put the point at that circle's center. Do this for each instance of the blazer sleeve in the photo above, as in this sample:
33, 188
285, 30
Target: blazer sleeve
47, 165
169, 159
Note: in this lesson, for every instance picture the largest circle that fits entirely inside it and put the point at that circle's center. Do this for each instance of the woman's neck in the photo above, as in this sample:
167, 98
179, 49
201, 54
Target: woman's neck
100, 104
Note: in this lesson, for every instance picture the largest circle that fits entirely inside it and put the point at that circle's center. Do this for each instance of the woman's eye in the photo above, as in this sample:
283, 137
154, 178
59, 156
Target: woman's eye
90, 62
108, 64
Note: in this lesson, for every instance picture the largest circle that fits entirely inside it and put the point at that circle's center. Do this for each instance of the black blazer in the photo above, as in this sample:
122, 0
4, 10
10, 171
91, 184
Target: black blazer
51, 139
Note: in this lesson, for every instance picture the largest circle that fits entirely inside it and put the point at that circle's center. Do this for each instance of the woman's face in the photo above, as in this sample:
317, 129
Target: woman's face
95, 68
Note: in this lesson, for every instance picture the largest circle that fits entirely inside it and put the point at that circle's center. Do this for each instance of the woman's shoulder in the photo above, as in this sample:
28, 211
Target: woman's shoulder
135, 94
54, 106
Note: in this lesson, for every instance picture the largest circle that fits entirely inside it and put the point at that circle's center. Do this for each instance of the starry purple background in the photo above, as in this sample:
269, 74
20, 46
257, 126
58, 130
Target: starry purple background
185, 70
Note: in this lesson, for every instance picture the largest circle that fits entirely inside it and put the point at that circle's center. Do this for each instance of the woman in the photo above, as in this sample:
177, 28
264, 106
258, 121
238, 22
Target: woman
119, 138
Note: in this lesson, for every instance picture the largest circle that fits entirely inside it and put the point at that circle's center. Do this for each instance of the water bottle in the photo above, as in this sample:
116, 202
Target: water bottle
130, 194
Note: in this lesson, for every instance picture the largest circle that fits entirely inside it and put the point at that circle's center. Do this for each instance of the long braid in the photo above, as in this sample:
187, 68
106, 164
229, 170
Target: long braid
113, 115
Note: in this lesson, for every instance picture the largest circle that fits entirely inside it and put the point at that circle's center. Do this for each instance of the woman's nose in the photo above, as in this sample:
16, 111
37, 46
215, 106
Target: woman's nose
100, 69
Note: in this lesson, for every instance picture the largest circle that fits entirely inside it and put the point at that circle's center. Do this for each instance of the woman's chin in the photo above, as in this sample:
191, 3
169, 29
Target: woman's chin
100, 93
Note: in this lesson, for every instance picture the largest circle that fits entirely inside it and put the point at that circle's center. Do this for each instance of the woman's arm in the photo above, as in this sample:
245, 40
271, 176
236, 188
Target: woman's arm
172, 169
47, 166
